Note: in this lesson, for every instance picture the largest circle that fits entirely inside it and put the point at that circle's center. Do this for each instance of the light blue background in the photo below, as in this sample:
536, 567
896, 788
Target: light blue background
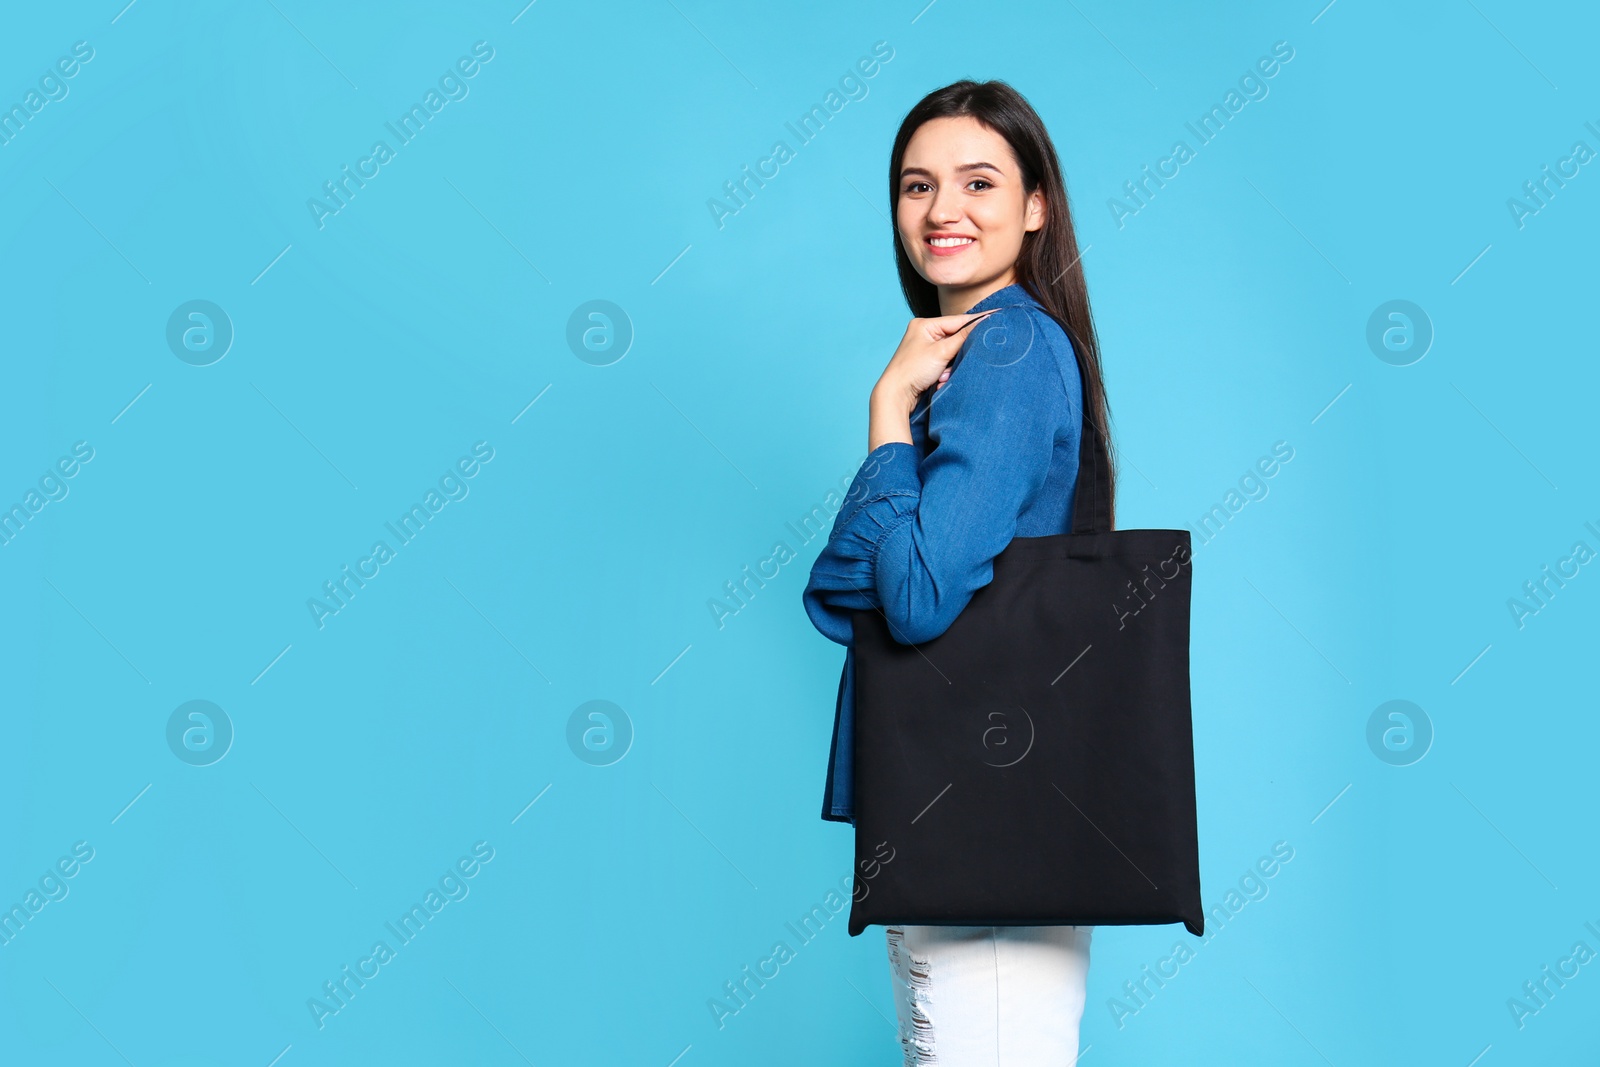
370, 754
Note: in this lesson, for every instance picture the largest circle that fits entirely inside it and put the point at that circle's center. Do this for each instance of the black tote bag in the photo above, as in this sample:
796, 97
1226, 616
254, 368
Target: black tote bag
1033, 765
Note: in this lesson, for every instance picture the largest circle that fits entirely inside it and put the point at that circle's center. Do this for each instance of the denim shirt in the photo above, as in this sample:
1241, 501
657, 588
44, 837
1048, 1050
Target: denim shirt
994, 455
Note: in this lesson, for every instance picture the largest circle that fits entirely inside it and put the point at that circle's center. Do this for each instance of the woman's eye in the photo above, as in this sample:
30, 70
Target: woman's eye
917, 187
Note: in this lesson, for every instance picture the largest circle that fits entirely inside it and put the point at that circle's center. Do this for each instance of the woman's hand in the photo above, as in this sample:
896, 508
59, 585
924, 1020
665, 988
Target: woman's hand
923, 358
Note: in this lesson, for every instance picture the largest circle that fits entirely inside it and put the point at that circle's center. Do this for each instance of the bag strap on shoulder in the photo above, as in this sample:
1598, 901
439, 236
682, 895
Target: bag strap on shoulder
1091, 499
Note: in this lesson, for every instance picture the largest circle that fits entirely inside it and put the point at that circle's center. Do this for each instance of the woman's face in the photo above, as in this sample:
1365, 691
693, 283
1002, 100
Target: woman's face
962, 211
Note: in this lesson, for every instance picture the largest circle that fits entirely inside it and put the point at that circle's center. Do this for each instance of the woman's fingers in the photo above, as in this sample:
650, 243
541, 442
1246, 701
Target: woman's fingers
926, 350
952, 328
956, 335
951, 325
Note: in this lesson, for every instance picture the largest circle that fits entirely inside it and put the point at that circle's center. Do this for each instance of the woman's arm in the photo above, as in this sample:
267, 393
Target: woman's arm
917, 539
842, 576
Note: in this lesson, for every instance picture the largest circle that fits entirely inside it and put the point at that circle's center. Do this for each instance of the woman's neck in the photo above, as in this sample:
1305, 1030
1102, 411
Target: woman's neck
958, 300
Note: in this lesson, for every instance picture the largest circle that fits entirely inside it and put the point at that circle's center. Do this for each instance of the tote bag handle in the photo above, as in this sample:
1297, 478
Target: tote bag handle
1091, 500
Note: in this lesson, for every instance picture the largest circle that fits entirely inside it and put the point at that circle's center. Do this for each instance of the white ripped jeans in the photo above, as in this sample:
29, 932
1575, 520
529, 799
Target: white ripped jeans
986, 996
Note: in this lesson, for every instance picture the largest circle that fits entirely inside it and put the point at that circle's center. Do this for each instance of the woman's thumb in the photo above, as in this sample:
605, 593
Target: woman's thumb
954, 325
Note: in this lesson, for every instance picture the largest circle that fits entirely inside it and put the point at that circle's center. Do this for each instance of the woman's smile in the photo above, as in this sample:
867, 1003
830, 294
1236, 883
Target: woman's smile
949, 245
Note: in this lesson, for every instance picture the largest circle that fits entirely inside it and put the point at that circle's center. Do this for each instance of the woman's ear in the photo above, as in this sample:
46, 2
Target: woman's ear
1036, 211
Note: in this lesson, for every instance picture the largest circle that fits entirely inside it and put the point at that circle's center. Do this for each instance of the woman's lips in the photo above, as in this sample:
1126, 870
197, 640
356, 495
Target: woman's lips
949, 247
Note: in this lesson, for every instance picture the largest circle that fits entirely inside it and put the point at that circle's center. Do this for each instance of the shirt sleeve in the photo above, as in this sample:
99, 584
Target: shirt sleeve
917, 538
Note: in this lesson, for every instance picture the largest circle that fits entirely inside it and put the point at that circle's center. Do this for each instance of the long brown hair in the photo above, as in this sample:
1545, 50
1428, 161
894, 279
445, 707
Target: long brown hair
1048, 266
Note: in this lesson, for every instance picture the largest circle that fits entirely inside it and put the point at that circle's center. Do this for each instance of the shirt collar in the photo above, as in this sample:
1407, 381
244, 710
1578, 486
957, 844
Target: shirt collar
1010, 294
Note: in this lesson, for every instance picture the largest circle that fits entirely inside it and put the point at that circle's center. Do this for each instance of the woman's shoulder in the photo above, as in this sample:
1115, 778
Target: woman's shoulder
1018, 357
1021, 333
1052, 333
1009, 332
1050, 344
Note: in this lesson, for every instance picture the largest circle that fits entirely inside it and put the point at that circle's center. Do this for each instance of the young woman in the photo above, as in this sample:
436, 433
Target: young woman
973, 440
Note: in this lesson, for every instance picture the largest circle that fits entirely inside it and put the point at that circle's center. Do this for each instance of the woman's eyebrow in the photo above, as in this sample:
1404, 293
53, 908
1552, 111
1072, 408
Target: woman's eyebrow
907, 171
